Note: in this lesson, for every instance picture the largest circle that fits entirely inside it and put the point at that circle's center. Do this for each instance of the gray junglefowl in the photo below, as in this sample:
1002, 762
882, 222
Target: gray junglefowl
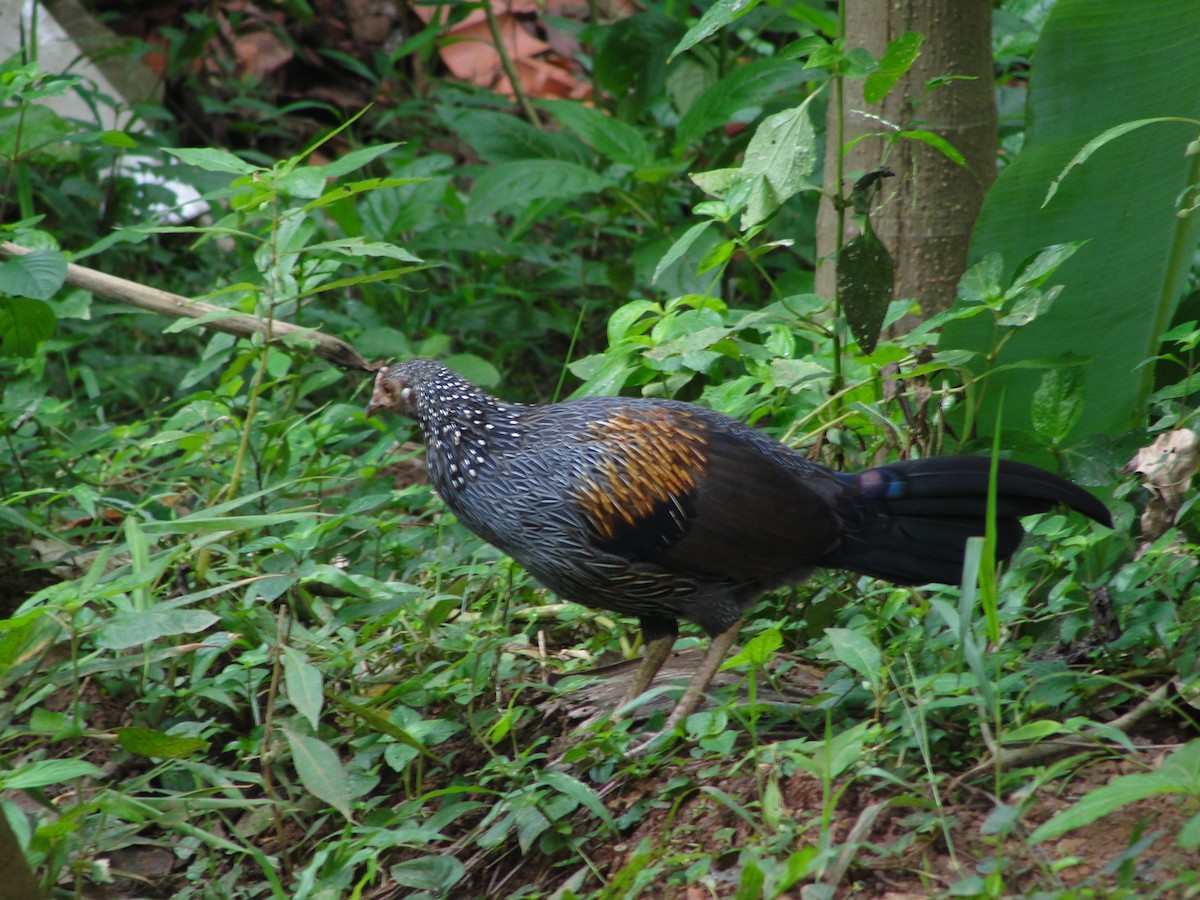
665, 510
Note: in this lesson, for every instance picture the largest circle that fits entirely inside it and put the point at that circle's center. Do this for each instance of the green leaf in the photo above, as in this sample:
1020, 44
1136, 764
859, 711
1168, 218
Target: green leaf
1121, 289
630, 60
501, 137
937, 142
613, 139
47, 771
715, 18
745, 88
320, 770
37, 275
356, 159
151, 743
211, 160
680, 248
1189, 835
437, 874
1102, 801
1058, 403
137, 628
854, 650
896, 60
778, 162
577, 791
305, 687
519, 183
24, 324
757, 651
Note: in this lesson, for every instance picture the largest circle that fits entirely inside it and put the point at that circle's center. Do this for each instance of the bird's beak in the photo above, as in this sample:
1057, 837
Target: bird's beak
374, 407
378, 401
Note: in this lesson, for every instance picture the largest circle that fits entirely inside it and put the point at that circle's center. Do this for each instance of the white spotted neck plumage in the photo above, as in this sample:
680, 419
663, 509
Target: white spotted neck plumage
464, 428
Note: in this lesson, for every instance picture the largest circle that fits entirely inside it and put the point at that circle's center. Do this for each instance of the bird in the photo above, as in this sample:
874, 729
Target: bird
665, 511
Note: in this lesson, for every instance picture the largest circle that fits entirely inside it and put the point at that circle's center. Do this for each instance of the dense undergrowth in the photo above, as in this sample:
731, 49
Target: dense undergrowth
245, 652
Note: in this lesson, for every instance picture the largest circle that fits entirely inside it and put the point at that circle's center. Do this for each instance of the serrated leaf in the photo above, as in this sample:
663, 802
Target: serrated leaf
320, 770
150, 742
521, 182
305, 687
781, 155
1058, 403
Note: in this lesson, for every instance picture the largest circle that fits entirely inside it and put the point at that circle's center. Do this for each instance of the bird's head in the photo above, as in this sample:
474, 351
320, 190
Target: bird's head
394, 392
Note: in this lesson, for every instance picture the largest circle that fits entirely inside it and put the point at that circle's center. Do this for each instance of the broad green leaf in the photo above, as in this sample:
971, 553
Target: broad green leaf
680, 247
1057, 404
579, 792
936, 141
1122, 287
854, 650
715, 18
37, 275
47, 771
344, 191
779, 158
630, 60
305, 687
150, 742
140, 627
613, 139
24, 323
211, 160
1102, 801
896, 60
743, 90
320, 770
501, 137
757, 650
437, 874
356, 159
519, 183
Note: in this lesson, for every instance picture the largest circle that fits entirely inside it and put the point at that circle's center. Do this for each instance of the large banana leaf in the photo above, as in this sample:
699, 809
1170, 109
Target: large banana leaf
1098, 64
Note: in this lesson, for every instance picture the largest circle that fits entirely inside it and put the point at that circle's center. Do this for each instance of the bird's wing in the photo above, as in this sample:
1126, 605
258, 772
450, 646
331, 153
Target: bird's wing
672, 487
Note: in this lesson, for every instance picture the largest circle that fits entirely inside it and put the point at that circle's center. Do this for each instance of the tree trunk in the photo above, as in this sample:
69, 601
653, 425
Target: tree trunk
924, 215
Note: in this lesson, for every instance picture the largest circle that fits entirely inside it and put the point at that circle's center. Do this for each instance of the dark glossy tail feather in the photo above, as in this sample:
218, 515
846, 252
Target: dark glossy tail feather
909, 522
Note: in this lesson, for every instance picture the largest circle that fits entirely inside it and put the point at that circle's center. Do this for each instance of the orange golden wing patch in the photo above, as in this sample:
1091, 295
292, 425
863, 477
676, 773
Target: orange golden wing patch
648, 476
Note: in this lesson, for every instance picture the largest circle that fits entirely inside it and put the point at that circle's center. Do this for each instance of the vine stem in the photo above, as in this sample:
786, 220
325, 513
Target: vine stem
509, 67
839, 207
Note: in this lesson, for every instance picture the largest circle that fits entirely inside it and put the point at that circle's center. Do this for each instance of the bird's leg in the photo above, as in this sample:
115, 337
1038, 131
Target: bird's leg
659, 636
653, 657
717, 651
